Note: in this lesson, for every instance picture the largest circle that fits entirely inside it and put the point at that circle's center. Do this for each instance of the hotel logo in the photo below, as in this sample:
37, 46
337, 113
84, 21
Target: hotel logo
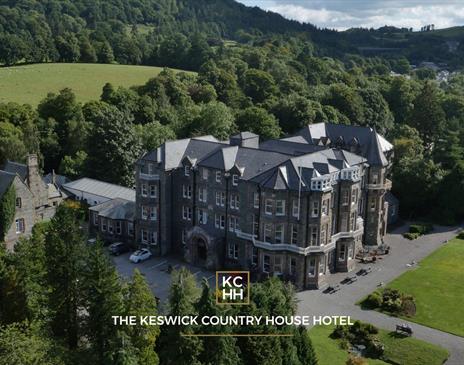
233, 287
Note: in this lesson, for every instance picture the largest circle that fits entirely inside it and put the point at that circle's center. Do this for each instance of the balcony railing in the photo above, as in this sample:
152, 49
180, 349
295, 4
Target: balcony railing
387, 185
149, 176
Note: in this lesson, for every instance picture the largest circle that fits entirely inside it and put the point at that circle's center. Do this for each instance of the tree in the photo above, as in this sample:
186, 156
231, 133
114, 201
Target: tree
153, 135
215, 118
11, 143
73, 167
400, 97
376, 111
225, 348
103, 298
347, 101
428, 116
294, 112
305, 349
7, 210
259, 85
173, 348
68, 47
112, 142
259, 121
64, 260
140, 301
12, 49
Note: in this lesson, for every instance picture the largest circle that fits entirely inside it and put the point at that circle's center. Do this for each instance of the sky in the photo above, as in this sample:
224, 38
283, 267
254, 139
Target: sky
344, 14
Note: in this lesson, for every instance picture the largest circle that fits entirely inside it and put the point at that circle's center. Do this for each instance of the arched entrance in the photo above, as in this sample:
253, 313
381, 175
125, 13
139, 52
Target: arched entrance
202, 251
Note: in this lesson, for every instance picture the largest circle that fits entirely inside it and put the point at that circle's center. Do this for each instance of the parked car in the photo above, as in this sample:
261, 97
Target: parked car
92, 241
140, 255
118, 248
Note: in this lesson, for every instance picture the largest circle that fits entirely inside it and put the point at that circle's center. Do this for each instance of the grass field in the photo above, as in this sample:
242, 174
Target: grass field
438, 288
31, 83
404, 350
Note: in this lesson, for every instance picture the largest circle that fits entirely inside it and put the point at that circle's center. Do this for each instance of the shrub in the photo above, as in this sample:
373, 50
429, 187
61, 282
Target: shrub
420, 228
374, 300
356, 360
461, 235
411, 236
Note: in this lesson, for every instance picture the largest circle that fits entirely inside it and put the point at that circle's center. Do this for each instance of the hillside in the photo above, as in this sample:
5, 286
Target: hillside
31, 83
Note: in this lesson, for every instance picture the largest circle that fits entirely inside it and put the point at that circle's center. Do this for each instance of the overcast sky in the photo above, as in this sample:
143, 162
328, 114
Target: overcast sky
343, 14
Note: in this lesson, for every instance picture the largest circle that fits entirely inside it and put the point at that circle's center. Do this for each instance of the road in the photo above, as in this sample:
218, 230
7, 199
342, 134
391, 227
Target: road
316, 302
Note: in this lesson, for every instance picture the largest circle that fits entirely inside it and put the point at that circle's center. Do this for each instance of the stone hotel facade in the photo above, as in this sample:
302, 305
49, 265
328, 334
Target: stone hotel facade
299, 207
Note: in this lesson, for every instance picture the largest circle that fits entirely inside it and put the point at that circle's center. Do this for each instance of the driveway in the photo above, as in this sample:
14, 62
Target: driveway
155, 271
403, 252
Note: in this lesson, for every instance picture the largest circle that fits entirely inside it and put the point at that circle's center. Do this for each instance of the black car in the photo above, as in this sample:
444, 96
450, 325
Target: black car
118, 248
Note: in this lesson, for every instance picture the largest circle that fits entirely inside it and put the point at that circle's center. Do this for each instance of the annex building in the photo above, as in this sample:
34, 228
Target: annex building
298, 207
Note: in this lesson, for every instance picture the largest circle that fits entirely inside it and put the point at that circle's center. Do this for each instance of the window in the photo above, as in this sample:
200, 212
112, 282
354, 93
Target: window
345, 197
267, 232
294, 238
150, 169
278, 264
20, 225
153, 238
144, 212
312, 266
344, 222
220, 198
313, 237
375, 179
153, 191
341, 253
187, 170
204, 173
184, 236
323, 235
266, 263
110, 226
218, 176
187, 213
315, 209
325, 206
130, 229
321, 265
255, 225
219, 221
354, 196
153, 213
373, 204
234, 224
118, 227
280, 207
256, 200
144, 235
143, 189
95, 219
187, 191
296, 208
292, 266
103, 224
268, 206
234, 201
202, 216
350, 252
234, 180
353, 221
279, 233
254, 255
233, 250
202, 195
18, 203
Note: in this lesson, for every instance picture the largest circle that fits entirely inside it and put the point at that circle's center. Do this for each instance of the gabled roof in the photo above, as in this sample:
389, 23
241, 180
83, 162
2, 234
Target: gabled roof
244, 135
100, 188
6, 179
119, 209
16, 168
375, 154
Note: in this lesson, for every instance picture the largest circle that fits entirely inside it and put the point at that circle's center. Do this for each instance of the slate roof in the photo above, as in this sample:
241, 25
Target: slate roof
15, 168
372, 145
6, 179
118, 209
60, 180
101, 188
278, 164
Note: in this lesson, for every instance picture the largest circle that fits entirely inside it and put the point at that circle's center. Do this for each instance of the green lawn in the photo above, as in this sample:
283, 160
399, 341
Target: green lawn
438, 288
404, 350
31, 83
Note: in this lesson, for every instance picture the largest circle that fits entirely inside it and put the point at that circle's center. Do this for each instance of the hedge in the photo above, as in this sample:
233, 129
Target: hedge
7, 210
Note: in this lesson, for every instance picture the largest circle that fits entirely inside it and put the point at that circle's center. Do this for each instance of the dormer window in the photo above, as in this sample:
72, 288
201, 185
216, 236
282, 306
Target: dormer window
187, 170
18, 203
234, 180
218, 176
